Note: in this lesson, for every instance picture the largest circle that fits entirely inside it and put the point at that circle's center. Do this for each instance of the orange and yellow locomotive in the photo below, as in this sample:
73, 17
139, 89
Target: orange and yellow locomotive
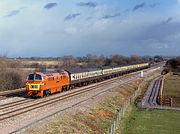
43, 84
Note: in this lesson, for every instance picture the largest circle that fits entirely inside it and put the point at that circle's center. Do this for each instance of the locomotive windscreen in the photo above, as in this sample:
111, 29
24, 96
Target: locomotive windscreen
34, 77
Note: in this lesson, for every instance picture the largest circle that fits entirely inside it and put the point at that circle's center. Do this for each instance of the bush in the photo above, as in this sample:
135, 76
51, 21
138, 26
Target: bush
10, 80
174, 64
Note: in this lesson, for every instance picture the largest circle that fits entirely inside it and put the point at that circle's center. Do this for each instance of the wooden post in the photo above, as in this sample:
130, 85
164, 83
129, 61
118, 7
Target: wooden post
171, 101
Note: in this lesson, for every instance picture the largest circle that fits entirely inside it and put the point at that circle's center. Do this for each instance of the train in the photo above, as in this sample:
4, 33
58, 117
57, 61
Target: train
41, 84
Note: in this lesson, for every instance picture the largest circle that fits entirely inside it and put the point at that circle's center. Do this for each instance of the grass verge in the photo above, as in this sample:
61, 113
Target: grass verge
151, 122
171, 86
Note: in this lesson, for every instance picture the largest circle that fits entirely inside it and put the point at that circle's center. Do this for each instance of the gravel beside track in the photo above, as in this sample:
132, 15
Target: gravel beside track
4, 93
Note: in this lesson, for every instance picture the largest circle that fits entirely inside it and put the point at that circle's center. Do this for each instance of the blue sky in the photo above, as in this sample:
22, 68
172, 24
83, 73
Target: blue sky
78, 27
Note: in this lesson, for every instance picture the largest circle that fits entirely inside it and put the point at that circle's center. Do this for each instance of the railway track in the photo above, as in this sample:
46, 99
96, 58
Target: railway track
150, 98
14, 111
11, 93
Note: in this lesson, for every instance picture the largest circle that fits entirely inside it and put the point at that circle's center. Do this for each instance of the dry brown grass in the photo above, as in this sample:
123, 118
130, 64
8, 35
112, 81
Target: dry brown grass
12, 79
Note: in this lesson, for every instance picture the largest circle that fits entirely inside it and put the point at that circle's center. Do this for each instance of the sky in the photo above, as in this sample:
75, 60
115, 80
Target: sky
43, 28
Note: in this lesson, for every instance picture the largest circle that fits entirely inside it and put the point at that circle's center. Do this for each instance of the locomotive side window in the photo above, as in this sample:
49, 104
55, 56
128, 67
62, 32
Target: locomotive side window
50, 78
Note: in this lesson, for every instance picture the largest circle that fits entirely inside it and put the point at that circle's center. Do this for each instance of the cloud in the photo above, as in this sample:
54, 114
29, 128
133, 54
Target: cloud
50, 5
87, 4
154, 5
136, 7
13, 13
72, 16
167, 21
108, 16
70, 30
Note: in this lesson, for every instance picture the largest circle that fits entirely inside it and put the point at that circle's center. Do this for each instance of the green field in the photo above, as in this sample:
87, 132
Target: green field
172, 86
151, 122
172, 90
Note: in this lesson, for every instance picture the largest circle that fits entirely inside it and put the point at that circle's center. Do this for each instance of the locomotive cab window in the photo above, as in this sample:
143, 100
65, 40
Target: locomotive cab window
38, 77
31, 77
34, 77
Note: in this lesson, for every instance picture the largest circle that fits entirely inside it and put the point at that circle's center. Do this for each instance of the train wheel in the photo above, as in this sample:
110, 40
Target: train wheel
68, 88
46, 93
63, 89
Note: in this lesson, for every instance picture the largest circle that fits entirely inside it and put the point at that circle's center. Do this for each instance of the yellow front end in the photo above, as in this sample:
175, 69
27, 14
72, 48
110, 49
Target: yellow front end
34, 90
34, 87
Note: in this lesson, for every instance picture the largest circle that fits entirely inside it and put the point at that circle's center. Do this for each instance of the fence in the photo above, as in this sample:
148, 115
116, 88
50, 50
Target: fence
121, 112
166, 101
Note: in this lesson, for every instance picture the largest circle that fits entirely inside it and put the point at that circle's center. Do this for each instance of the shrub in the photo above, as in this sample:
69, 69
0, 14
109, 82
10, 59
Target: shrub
10, 79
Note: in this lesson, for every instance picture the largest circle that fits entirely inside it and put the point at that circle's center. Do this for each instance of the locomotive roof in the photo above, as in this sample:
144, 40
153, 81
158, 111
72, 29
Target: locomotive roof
81, 70
51, 72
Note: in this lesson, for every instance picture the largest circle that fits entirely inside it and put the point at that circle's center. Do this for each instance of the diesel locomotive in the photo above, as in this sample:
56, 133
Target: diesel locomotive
40, 84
